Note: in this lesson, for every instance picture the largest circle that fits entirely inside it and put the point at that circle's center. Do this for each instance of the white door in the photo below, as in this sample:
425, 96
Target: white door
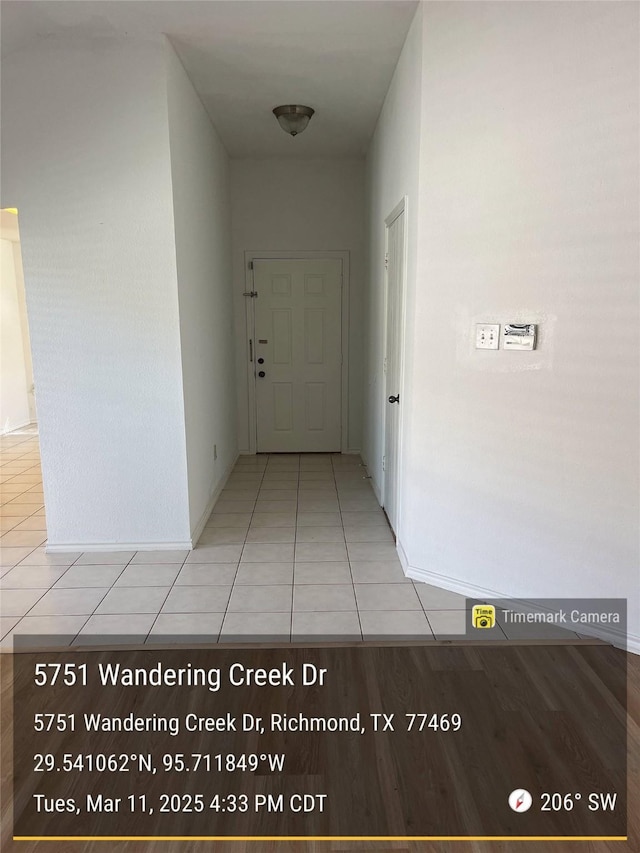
298, 355
395, 274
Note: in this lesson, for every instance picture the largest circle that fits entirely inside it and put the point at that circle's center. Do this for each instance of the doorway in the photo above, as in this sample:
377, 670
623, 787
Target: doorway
395, 270
297, 353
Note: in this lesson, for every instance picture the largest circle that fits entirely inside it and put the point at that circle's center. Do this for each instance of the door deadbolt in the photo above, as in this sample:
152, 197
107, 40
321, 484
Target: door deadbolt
261, 361
395, 399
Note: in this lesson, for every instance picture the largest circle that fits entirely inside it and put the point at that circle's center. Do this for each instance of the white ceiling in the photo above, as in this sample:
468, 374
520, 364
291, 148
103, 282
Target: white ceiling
245, 57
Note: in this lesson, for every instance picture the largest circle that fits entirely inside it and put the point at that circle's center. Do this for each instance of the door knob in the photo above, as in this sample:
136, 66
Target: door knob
395, 399
261, 374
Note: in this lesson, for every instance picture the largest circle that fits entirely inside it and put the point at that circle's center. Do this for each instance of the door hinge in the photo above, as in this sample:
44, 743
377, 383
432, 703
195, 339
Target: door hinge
386, 260
384, 461
250, 265
251, 293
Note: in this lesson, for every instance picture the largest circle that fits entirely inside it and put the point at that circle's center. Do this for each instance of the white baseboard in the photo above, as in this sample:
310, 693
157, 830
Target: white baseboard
186, 545
627, 642
197, 530
92, 547
15, 428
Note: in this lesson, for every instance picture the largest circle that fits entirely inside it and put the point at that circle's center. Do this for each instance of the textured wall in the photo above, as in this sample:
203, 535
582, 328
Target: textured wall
200, 181
523, 474
86, 161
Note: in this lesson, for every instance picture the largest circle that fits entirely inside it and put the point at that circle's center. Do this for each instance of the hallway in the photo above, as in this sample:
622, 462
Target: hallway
296, 549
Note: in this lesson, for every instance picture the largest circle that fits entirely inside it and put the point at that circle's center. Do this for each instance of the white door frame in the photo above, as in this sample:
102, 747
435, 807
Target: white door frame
249, 257
399, 209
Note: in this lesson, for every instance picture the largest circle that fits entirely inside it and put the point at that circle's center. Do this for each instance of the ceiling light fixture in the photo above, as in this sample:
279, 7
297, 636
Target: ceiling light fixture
294, 118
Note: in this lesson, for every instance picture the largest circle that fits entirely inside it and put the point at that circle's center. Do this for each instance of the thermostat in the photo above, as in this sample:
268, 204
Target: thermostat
520, 336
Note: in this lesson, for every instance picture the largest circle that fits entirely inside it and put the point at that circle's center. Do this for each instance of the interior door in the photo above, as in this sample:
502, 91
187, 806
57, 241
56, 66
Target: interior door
298, 355
395, 274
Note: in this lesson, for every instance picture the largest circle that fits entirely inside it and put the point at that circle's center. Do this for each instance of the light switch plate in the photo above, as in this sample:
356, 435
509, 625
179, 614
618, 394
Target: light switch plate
487, 335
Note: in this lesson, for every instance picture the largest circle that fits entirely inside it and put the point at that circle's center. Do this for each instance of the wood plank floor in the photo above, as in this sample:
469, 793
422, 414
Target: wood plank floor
569, 663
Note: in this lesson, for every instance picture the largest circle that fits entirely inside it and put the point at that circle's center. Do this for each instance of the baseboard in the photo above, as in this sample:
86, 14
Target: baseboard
197, 530
626, 642
90, 548
187, 545
15, 428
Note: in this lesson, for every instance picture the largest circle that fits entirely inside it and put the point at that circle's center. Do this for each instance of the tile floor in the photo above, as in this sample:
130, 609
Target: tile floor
296, 549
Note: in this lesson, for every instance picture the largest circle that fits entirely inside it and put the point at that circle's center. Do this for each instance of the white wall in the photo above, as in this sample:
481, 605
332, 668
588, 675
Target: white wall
86, 161
392, 174
300, 205
14, 381
523, 474
200, 181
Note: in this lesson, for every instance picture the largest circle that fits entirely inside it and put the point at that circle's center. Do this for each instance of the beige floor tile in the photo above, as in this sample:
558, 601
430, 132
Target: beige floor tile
32, 577
368, 533
316, 552
197, 599
222, 536
260, 574
260, 599
22, 538
69, 602
256, 627
23, 508
266, 535
45, 631
273, 519
373, 551
186, 627
331, 597
446, 623
125, 629
17, 602
33, 523
6, 624
215, 554
406, 624
89, 576
319, 519
320, 534
387, 596
160, 556
277, 553
316, 573
380, 571
39, 557
266, 494
149, 574
133, 599
270, 506
207, 574
227, 506
435, 598
358, 519
11, 556
333, 626
317, 504
229, 519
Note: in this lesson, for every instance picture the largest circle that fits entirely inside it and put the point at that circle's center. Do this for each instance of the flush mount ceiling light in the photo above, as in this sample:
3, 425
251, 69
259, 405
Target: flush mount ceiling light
293, 118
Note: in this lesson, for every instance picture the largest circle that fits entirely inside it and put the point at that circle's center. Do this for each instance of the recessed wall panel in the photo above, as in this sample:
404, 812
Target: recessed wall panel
314, 335
282, 337
281, 285
314, 285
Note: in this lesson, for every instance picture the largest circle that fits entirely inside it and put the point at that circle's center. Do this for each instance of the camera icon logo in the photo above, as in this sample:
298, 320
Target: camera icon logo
483, 616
